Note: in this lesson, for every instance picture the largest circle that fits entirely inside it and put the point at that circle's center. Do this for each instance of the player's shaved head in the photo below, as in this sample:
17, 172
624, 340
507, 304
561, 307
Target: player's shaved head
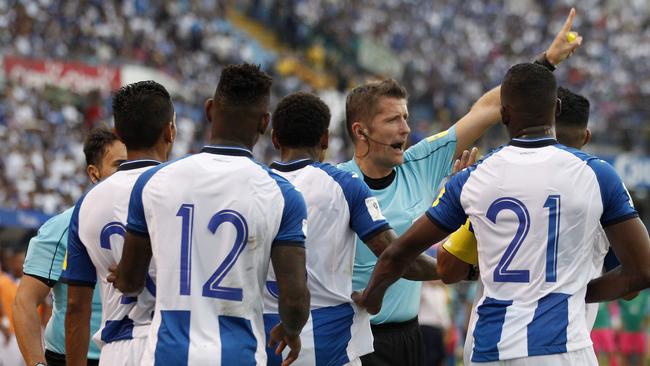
571, 122
528, 97
240, 103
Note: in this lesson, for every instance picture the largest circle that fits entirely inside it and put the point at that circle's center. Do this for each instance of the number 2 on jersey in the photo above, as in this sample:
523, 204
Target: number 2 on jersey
502, 273
211, 287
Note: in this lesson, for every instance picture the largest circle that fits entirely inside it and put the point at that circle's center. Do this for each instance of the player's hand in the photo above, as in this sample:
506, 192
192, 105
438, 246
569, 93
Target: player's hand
371, 305
561, 48
279, 337
112, 274
466, 159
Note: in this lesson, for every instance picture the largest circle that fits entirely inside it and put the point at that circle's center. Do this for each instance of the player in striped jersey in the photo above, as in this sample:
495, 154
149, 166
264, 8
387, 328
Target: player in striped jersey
145, 122
459, 256
210, 222
339, 205
532, 311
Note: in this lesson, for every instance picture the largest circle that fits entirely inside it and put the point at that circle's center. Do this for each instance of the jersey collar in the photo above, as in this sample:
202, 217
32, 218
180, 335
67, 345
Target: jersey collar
290, 166
533, 142
227, 150
137, 164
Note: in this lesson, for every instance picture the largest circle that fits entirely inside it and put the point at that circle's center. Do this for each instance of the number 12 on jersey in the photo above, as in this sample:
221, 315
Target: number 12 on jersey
502, 273
211, 288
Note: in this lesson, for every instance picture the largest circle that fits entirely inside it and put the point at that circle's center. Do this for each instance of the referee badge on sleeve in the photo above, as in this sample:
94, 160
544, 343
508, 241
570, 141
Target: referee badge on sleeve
373, 209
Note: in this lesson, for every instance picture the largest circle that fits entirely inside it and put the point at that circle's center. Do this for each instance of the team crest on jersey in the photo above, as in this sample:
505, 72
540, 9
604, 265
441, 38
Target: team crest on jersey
373, 209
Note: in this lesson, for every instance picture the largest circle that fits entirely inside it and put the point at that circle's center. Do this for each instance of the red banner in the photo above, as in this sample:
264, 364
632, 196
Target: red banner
75, 76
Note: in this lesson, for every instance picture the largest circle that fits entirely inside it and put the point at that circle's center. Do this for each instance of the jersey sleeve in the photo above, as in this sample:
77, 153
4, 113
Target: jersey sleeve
365, 214
447, 211
44, 258
433, 157
293, 225
617, 204
462, 244
136, 222
78, 268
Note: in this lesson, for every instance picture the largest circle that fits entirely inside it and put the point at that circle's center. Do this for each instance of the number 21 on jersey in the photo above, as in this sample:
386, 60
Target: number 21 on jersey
502, 273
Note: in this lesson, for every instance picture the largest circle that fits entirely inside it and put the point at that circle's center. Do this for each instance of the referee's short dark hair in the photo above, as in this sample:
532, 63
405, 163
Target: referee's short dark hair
141, 111
96, 144
300, 119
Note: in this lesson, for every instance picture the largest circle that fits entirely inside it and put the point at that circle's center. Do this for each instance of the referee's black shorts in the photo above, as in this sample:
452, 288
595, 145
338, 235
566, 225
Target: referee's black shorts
396, 344
57, 359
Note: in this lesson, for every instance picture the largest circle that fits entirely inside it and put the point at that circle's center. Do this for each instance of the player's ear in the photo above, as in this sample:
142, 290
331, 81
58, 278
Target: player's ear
266, 119
325, 139
169, 131
275, 140
587, 137
558, 107
207, 107
93, 173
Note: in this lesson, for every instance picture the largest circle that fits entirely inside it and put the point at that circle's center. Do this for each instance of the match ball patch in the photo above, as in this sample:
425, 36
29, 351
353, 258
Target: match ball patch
373, 209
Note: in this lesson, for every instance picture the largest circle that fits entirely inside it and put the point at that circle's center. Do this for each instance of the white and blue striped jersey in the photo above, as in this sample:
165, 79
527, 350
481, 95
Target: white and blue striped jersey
212, 219
95, 242
339, 205
536, 208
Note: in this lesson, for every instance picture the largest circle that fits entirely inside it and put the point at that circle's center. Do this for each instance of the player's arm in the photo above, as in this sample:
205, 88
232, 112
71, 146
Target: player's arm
458, 256
30, 295
289, 265
129, 277
486, 112
423, 268
452, 269
395, 260
80, 274
77, 324
632, 246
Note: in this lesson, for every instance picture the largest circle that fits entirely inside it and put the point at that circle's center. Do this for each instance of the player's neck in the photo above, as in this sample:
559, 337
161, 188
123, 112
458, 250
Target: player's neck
535, 132
231, 142
292, 154
154, 153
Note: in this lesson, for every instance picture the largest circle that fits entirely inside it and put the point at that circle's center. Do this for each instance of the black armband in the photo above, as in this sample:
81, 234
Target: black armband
543, 61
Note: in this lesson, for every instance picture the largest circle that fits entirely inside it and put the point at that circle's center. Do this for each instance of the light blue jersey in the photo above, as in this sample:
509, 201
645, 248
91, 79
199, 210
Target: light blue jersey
44, 262
407, 198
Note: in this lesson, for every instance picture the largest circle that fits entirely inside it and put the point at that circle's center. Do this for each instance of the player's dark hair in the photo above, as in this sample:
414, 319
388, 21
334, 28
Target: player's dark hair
300, 119
575, 109
242, 85
96, 144
141, 111
361, 102
530, 91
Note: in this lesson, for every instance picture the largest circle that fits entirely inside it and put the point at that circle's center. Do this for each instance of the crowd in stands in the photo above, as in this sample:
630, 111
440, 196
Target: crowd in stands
451, 52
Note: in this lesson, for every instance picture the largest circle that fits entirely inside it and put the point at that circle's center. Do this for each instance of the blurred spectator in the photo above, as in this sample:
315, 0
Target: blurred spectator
434, 321
603, 335
632, 339
9, 277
